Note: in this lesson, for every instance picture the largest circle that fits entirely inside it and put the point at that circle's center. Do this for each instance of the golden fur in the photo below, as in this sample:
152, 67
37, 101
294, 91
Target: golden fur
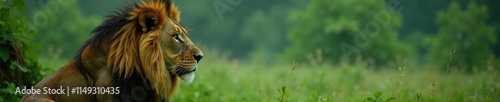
143, 46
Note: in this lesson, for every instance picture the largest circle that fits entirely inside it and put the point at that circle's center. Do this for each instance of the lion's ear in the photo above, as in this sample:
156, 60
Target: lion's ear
172, 11
148, 20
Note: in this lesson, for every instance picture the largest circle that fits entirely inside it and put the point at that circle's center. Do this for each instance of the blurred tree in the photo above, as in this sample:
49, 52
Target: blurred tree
208, 30
419, 15
346, 29
88, 7
229, 31
18, 61
62, 28
102, 7
464, 31
267, 32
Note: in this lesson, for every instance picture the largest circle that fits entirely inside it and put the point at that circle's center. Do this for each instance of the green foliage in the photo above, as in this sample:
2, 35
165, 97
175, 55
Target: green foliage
226, 81
18, 60
314, 97
283, 94
267, 33
346, 29
253, 29
377, 97
13, 25
220, 80
4, 53
465, 31
62, 28
7, 93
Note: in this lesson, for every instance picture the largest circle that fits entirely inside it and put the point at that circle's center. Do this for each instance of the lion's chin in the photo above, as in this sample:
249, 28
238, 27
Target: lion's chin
188, 77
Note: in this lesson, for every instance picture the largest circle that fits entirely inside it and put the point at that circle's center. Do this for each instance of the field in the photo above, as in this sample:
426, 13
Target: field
222, 80
233, 81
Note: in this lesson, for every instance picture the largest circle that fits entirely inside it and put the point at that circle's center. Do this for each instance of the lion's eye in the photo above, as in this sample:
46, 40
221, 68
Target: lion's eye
177, 38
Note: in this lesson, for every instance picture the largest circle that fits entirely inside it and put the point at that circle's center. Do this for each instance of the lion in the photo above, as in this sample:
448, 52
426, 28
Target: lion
139, 53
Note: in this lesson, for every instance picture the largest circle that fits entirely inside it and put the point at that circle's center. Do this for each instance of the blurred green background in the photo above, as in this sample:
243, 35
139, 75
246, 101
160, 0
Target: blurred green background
346, 50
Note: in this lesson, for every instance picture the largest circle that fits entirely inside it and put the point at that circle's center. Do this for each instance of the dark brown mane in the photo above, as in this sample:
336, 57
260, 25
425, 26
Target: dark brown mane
109, 27
105, 33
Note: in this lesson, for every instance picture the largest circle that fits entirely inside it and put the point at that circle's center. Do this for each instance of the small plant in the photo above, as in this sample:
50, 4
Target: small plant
317, 98
400, 82
429, 87
448, 68
283, 90
401, 76
419, 97
377, 97
283, 94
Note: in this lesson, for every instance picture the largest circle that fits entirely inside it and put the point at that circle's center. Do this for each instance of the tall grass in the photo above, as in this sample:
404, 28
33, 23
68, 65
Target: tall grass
234, 80
221, 79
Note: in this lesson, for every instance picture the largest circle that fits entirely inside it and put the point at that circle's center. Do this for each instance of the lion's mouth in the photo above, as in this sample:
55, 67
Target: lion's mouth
186, 74
180, 70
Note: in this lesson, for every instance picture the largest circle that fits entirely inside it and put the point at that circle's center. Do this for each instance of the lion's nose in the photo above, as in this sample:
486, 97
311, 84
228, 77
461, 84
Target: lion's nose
198, 57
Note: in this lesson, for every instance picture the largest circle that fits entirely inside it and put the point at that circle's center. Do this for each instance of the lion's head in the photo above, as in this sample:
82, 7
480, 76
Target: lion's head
142, 50
148, 40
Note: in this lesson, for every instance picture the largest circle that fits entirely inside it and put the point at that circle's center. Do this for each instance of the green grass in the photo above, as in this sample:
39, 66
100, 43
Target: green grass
221, 80
218, 81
